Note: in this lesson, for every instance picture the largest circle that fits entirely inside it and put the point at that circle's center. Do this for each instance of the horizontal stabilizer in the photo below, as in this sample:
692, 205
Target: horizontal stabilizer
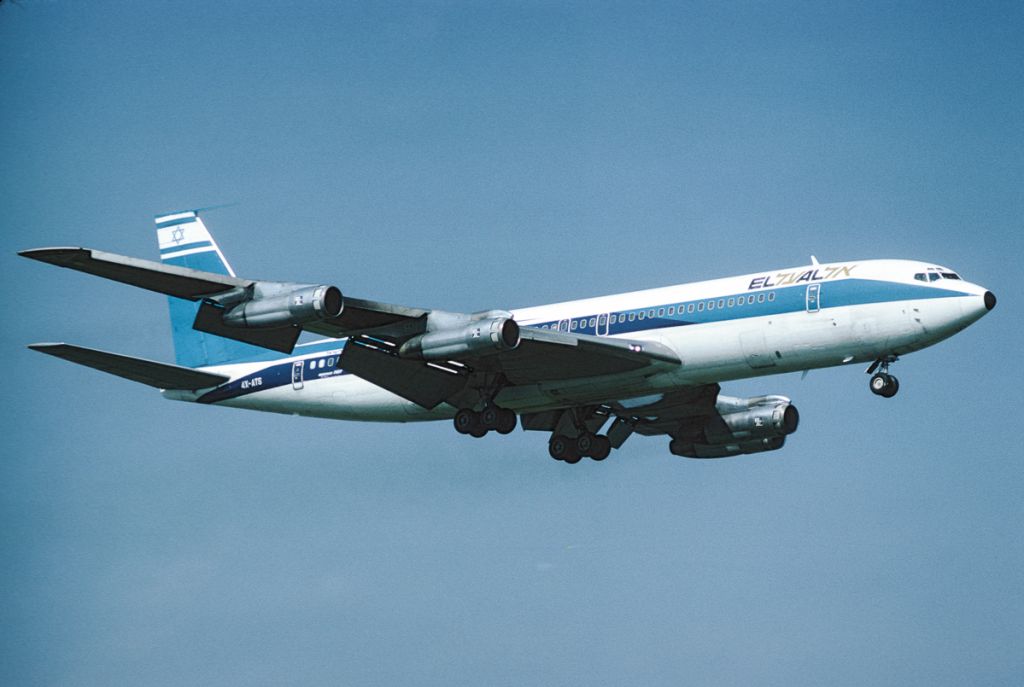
172, 280
160, 375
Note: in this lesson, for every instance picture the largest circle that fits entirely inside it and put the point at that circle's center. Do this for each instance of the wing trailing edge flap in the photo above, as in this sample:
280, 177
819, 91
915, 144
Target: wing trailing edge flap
149, 372
415, 381
544, 356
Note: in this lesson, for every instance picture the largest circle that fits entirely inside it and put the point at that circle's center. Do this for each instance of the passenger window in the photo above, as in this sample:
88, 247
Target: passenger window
573, 325
732, 302
700, 307
771, 296
689, 308
650, 313
671, 310
632, 316
760, 298
721, 303
593, 323
741, 300
711, 305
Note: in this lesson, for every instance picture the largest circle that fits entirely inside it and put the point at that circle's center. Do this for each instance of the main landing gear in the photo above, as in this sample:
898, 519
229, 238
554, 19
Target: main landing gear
586, 445
477, 424
882, 383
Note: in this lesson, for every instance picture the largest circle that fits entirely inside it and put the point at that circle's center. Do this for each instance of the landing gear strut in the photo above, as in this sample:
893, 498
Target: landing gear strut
882, 383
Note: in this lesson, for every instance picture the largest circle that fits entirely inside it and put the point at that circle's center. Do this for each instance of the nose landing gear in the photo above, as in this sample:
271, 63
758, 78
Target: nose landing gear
882, 383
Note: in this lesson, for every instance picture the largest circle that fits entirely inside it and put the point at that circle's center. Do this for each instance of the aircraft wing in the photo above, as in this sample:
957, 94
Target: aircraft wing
377, 332
159, 375
541, 356
357, 317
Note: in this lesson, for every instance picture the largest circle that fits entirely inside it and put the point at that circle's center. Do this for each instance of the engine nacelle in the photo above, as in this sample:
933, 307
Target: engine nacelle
741, 426
775, 420
481, 337
283, 308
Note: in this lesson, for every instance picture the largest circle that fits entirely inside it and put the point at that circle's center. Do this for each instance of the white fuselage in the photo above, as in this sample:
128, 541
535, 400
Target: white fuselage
758, 324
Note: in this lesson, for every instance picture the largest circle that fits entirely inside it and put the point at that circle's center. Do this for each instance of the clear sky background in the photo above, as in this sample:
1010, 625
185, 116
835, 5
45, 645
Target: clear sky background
492, 155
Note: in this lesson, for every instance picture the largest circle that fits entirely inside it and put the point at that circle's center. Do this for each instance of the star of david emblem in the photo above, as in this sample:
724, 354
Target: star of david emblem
177, 235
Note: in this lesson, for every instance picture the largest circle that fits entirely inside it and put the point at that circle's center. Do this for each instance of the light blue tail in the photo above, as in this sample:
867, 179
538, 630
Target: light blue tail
185, 241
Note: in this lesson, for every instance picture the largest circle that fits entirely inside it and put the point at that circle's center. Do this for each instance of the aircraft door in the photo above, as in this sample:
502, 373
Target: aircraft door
563, 326
814, 298
297, 367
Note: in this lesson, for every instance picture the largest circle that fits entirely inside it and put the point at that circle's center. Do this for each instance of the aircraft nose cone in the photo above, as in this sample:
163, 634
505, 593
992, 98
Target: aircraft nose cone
990, 300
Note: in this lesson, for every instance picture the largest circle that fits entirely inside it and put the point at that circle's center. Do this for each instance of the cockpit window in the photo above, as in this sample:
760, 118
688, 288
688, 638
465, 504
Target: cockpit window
935, 274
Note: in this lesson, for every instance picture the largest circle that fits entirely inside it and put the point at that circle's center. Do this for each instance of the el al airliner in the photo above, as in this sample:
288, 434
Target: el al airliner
590, 372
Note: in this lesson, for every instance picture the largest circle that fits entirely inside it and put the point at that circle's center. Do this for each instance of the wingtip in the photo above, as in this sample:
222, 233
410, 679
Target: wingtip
45, 347
55, 255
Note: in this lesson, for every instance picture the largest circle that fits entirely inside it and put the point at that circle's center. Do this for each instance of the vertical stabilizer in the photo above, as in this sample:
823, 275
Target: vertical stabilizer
185, 241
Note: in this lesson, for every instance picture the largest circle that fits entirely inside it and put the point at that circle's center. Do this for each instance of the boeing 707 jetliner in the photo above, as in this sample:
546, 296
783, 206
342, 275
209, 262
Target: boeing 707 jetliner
590, 372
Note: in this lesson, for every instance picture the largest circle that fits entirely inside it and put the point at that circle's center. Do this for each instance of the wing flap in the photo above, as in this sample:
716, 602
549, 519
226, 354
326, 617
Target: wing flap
415, 381
544, 355
152, 373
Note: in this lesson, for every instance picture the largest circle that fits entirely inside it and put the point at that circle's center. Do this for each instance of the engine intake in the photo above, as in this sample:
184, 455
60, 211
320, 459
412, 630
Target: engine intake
282, 309
482, 337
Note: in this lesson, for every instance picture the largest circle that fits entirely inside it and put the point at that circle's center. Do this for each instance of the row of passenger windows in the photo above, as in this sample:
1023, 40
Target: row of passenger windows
321, 363
682, 308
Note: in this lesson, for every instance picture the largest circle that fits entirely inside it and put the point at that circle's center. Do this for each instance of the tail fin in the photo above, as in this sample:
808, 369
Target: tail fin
185, 241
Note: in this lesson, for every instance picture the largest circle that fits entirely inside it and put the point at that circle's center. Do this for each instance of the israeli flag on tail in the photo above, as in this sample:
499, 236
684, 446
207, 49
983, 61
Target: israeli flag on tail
184, 241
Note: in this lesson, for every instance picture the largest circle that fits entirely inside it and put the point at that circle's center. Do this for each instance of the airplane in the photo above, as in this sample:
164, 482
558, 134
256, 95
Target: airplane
647, 362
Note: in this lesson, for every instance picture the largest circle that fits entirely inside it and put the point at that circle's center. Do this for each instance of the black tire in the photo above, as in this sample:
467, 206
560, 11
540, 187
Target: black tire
879, 383
507, 421
573, 458
466, 421
490, 417
893, 388
558, 447
585, 444
601, 449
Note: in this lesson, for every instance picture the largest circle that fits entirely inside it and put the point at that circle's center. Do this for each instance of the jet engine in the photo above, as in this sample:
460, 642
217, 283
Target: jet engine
480, 337
741, 426
281, 306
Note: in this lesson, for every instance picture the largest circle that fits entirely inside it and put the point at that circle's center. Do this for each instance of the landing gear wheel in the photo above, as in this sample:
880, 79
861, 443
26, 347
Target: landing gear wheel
507, 421
573, 458
468, 422
601, 449
489, 417
585, 443
884, 385
465, 421
559, 447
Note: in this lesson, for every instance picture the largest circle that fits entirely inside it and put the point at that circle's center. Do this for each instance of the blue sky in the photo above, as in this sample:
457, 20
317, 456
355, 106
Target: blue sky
481, 155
